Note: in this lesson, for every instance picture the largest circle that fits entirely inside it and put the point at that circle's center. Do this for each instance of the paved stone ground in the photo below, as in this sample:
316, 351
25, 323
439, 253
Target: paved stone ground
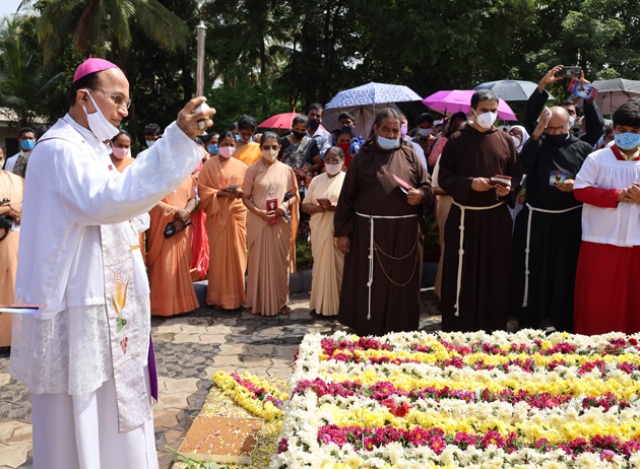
189, 349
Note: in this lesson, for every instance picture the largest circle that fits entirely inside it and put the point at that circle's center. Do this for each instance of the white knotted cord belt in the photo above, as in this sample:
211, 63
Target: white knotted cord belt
463, 209
372, 245
527, 250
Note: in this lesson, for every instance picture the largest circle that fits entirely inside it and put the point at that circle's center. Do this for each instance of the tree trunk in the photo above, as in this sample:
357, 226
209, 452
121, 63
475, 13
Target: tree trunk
263, 50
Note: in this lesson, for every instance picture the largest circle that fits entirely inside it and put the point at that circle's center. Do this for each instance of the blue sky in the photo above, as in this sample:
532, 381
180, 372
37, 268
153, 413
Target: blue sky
8, 6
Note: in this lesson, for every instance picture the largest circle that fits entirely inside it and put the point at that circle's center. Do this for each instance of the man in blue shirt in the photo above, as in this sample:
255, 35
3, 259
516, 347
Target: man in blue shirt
27, 140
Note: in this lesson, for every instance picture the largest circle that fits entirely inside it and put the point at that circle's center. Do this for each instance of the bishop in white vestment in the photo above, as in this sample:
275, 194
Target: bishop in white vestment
84, 356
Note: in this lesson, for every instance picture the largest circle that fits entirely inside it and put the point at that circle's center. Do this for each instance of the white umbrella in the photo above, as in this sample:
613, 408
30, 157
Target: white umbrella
364, 102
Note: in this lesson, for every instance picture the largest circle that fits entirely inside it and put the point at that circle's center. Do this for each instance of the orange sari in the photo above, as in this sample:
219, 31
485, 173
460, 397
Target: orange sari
227, 232
269, 245
248, 154
11, 187
168, 258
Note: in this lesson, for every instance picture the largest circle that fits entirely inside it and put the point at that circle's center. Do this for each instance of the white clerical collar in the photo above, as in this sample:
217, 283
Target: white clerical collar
86, 133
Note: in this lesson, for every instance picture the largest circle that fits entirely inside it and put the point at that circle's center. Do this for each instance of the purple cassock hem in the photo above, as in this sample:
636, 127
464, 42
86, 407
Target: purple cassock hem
153, 373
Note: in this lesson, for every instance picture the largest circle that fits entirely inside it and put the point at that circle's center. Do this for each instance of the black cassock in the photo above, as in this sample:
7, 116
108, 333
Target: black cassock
555, 238
485, 278
370, 189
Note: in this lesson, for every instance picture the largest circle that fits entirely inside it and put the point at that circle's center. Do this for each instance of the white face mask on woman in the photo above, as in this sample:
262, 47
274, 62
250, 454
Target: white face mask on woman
333, 169
99, 124
516, 140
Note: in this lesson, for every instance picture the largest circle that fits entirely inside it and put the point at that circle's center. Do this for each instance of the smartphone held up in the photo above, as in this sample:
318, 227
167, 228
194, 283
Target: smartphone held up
570, 72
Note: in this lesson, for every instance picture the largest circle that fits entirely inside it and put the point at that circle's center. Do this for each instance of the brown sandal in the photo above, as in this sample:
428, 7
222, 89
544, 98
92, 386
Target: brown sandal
285, 311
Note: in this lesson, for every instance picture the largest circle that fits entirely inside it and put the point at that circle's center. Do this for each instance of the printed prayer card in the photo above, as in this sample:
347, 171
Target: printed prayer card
557, 177
272, 205
501, 179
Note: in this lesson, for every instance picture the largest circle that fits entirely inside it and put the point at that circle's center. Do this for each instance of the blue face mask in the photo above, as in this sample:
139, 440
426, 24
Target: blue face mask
572, 122
27, 145
150, 143
627, 141
213, 149
388, 143
237, 136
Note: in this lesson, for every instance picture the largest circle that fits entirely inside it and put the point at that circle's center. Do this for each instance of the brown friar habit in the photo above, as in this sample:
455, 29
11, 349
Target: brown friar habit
371, 189
486, 271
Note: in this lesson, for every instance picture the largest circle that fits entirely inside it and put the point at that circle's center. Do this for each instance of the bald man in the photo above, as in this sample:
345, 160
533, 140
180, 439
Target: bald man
548, 233
85, 355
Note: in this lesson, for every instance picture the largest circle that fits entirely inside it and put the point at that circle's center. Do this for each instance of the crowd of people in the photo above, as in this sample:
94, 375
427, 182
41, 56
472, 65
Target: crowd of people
538, 221
511, 222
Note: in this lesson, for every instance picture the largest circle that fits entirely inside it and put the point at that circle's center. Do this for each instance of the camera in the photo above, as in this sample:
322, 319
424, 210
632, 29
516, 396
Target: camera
575, 72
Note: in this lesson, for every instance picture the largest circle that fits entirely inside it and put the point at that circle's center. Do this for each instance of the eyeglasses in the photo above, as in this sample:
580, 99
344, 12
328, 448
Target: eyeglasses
117, 98
275, 147
553, 129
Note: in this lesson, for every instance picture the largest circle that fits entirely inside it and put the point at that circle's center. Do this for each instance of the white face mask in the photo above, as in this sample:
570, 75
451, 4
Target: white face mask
425, 132
486, 120
269, 155
333, 169
516, 140
98, 124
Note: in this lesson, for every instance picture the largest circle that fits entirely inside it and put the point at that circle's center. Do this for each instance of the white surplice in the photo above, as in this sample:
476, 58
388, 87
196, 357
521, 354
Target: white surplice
64, 352
618, 226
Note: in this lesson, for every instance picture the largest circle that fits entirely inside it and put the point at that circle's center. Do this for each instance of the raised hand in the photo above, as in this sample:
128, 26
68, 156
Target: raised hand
550, 77
194, 123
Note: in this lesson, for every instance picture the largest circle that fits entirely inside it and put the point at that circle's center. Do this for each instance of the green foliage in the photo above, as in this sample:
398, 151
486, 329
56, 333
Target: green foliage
22, 79
104, 27
270, 56
304, 257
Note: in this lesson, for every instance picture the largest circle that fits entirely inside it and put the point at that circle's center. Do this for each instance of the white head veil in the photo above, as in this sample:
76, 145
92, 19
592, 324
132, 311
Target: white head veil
525, 135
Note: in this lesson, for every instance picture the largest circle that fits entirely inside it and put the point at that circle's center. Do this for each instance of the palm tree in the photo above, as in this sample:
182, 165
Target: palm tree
103, 28
21, 71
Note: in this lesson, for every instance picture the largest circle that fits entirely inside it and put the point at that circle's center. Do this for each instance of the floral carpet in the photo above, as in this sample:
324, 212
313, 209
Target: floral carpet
416, 400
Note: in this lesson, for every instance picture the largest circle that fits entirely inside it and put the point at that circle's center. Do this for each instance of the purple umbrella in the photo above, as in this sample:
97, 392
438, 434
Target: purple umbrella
452, 101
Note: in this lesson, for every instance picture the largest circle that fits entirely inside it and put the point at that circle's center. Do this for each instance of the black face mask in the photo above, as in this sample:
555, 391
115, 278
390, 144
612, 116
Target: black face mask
347, 128
299, 135
313, 125
556, 140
